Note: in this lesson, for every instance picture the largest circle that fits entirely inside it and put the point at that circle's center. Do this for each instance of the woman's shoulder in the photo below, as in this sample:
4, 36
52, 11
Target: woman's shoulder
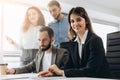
94, 37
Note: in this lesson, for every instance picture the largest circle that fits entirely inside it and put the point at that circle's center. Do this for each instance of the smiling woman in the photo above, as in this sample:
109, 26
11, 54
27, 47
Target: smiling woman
33, 21
11, 19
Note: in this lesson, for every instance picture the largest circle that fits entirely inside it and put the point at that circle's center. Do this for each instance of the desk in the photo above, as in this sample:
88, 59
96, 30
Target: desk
63, 78
33, 76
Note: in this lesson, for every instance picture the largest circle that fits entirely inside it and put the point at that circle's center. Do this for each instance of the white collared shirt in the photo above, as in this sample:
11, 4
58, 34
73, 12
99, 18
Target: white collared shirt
82, 42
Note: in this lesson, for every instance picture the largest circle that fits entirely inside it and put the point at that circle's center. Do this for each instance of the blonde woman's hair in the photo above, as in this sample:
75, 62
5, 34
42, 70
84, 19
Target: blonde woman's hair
26, 23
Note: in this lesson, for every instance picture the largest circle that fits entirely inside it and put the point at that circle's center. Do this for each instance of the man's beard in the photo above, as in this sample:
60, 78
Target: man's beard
57, 17
46, 48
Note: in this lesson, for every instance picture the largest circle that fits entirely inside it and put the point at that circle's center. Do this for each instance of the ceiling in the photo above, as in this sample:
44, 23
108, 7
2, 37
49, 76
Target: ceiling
107, 10
106, 6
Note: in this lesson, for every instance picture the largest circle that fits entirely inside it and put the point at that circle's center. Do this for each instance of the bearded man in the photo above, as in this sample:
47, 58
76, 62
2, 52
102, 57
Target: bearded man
46, 56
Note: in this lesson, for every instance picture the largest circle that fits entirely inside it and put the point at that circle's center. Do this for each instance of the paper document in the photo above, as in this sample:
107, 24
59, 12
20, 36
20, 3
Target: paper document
18, 76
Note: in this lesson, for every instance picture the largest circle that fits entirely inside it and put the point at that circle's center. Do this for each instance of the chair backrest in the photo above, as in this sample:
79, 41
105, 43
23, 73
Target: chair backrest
113, 53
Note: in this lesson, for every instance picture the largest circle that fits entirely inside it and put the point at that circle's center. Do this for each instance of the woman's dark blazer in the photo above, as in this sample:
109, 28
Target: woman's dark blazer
92, 63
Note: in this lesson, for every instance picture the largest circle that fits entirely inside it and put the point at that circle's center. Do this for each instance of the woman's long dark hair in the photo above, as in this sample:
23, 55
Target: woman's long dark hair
80, 11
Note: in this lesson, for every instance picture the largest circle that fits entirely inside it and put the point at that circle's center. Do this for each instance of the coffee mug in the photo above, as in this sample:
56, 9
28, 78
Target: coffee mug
3, 67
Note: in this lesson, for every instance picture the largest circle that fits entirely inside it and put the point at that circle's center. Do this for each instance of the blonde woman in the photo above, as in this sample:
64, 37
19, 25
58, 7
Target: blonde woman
29, 45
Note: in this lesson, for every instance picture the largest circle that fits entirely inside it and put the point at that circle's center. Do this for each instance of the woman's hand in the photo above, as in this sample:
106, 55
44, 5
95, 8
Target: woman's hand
10, 40
54, 69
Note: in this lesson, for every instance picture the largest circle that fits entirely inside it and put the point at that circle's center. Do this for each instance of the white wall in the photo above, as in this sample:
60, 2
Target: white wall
94, 14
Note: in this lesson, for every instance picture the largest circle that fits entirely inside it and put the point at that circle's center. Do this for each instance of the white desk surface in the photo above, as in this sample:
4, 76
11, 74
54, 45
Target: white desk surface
33, 76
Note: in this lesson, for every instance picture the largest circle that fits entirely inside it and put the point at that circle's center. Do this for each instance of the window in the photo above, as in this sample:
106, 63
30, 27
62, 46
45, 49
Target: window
12, 21
102, 30
0, 26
